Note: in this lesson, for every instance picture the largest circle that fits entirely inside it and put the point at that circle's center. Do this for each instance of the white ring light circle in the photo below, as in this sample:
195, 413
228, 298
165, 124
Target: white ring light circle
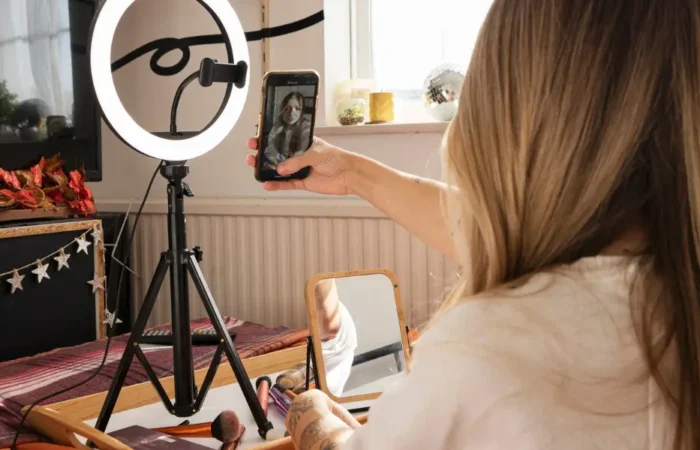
123, 124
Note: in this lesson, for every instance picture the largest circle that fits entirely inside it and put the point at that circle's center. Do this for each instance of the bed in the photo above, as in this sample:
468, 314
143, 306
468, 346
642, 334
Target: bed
24, 381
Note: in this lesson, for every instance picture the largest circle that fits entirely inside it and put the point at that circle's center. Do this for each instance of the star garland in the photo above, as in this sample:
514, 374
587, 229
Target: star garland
110, 318
41, 265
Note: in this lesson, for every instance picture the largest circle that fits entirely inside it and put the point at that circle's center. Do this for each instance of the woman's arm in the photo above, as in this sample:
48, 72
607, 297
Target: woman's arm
327, 308
413, 202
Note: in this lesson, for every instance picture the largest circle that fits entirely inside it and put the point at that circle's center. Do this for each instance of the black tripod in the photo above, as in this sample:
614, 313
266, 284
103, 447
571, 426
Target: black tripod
179, 259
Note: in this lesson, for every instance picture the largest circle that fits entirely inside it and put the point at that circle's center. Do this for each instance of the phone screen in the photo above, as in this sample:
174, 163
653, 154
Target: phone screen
288, 120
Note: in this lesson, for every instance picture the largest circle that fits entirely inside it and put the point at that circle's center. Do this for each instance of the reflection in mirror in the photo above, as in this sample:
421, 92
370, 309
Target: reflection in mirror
360, 333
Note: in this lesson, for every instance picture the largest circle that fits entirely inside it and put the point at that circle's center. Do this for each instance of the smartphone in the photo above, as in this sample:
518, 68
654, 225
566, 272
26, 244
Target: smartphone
286, 122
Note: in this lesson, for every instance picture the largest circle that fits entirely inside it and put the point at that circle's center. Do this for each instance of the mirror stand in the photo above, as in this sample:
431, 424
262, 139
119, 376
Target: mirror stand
358, 343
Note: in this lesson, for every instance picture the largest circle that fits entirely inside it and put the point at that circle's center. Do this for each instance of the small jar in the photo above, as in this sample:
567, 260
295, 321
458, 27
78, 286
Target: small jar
351, 111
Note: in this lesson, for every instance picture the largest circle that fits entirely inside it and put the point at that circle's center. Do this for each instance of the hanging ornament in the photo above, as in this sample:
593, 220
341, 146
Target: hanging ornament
16, 281
82, 244
40, 271
96, 235
62, 260
111, 318
97, 283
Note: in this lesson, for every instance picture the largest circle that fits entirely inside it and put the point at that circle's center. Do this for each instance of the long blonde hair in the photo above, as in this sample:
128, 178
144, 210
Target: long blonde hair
579, 119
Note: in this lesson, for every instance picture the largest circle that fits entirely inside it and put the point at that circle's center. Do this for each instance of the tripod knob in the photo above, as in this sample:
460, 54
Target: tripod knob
198, 253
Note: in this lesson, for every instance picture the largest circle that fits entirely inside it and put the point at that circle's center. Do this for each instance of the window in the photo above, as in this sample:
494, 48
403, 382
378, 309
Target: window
35, 52
397, 43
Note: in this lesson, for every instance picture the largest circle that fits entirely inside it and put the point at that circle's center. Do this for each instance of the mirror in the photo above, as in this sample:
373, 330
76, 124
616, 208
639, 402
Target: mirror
358, 332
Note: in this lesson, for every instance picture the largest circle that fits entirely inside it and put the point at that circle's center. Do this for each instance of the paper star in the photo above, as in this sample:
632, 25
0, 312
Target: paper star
82, 244
62, 260
40, 271
110, 318
16, 281
96, 235
97, 283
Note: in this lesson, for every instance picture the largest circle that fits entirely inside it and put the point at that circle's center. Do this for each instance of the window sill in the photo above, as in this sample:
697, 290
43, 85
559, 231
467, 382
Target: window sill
384, 128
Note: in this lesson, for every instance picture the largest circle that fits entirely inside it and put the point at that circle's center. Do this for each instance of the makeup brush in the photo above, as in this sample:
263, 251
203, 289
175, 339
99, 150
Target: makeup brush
263, 386
225, 428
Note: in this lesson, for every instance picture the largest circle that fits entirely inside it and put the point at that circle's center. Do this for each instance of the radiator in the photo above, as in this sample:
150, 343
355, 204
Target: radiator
257, 265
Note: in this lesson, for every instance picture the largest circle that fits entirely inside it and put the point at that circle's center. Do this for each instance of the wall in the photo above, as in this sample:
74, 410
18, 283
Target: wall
230, 206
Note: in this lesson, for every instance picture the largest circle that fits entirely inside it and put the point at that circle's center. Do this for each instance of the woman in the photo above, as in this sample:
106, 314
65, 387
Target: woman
573, 205
291, 132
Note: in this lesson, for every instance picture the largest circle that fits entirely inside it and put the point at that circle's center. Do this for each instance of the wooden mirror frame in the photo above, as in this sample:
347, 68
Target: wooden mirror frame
312, 317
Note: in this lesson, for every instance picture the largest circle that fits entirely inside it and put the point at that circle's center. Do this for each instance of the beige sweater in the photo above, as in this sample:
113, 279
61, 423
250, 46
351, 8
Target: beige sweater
553, 365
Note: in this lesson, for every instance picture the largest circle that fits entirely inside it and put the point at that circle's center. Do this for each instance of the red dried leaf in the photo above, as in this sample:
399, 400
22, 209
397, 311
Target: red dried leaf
70, 194
75, 182
79, 205
25, 177
26, 194
7, 198
42, 163
53, 164
38, 175
9, 193
57, 196
88, 207
87, 192
58, 177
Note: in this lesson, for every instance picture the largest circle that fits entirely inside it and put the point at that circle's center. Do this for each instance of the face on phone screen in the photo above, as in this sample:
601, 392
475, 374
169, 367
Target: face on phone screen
288, 122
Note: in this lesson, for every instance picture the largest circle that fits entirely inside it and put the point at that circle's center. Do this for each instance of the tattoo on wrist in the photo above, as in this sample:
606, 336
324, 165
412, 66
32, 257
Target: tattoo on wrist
297, 410
311, 435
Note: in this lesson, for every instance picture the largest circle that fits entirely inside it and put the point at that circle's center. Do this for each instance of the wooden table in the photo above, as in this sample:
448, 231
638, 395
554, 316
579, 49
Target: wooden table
141, 405
131, 397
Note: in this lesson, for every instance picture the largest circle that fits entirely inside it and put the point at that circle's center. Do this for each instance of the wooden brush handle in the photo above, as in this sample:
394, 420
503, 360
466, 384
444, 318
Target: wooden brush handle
62, 430
197, 430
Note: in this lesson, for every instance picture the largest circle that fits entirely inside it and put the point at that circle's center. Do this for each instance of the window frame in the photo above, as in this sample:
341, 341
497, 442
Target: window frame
362, 64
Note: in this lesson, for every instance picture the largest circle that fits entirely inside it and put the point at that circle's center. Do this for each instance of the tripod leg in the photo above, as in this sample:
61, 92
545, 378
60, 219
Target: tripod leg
209, 378
136, 333
215, 316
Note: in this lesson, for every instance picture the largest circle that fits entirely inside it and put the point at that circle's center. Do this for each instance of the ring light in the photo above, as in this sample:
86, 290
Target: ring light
119, 120
181, 262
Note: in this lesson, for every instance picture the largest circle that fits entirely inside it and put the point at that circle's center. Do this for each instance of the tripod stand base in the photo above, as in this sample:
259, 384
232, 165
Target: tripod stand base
183, 264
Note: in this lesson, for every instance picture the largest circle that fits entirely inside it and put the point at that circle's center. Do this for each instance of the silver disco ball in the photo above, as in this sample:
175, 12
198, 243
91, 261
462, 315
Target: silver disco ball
441, 91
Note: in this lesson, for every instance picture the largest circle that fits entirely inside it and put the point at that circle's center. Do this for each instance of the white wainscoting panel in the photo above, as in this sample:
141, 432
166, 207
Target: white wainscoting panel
257, 258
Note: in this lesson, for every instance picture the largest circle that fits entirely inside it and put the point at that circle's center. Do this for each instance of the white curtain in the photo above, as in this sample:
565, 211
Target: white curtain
35, 52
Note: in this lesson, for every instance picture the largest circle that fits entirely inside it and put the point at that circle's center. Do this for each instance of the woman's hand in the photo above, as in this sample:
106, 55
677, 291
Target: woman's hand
329, 165
315, 422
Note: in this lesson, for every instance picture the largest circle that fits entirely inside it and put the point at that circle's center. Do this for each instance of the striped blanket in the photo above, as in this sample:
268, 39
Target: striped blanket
26, 380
